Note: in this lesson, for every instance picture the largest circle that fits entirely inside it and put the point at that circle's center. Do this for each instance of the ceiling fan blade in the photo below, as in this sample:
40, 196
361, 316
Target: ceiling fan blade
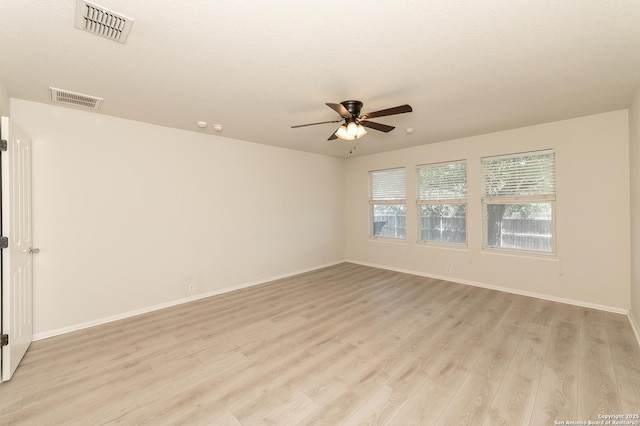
389, 111
313, 124
377, 126
333, 136
340, 109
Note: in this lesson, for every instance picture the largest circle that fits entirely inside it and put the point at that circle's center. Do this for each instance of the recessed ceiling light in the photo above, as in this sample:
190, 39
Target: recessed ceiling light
202, 124
218, 127
409, 130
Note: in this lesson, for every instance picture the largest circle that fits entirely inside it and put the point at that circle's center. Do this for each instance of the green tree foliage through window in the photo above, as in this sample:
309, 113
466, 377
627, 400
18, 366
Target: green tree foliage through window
519, 191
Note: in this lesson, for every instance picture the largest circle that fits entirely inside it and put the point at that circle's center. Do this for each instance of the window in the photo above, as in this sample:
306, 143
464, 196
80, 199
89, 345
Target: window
518, 198
442, 202
387, 203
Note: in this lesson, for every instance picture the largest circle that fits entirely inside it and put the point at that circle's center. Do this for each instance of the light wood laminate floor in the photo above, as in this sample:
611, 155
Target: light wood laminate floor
347, 344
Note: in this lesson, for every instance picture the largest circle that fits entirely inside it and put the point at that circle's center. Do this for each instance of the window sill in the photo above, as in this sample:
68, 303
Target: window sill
397, 241
522, 254
445, 246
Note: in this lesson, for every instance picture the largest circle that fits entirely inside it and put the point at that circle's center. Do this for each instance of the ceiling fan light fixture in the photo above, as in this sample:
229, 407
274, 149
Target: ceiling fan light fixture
361, 131
343, 133
352, 129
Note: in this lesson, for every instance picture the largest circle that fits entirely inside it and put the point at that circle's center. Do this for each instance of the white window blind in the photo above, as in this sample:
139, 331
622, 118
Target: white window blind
444, 181
442, 203
520, 175
388, 185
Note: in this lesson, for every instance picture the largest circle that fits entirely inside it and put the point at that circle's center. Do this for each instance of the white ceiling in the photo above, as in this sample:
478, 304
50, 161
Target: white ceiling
259, 66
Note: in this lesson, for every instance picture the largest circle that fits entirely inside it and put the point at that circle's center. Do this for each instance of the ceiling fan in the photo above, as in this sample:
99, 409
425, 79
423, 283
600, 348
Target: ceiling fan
355, 123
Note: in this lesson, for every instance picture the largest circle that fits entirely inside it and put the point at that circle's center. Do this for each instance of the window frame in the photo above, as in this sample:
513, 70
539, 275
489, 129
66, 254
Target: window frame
391, 200
519, 199
420, 201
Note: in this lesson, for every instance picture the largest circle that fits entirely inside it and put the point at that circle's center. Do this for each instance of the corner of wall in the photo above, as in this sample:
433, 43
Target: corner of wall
4, 100
635, 326
634, 184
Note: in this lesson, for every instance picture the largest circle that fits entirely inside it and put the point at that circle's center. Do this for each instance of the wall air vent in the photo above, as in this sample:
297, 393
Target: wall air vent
66, 97
101, 21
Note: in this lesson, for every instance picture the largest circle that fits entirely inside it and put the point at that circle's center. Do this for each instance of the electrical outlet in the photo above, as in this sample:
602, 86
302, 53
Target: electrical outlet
449, 270
190, 288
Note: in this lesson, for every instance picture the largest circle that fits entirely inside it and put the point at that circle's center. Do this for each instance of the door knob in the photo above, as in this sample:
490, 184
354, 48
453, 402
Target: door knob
31, 250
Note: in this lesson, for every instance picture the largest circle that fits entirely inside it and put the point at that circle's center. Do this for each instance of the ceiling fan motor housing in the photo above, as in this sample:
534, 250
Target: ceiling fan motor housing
354, 107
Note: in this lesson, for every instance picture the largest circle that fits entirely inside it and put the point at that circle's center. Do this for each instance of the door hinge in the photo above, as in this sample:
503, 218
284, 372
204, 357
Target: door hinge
4, 340
4, 242
3, 144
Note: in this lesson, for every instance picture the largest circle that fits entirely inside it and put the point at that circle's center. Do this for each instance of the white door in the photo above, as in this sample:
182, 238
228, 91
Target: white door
17, 266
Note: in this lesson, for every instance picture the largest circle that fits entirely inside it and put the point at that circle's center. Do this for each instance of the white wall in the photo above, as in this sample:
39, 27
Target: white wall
593, 262
634, 163
4, 99
128, 215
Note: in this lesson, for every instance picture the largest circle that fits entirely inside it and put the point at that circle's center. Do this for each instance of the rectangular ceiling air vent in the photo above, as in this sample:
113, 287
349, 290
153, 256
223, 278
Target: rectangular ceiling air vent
101, 21
75, 99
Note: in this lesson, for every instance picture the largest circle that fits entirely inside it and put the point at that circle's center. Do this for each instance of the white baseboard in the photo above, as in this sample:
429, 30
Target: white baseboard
75, 327
499, 288
635, 326
116, 317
